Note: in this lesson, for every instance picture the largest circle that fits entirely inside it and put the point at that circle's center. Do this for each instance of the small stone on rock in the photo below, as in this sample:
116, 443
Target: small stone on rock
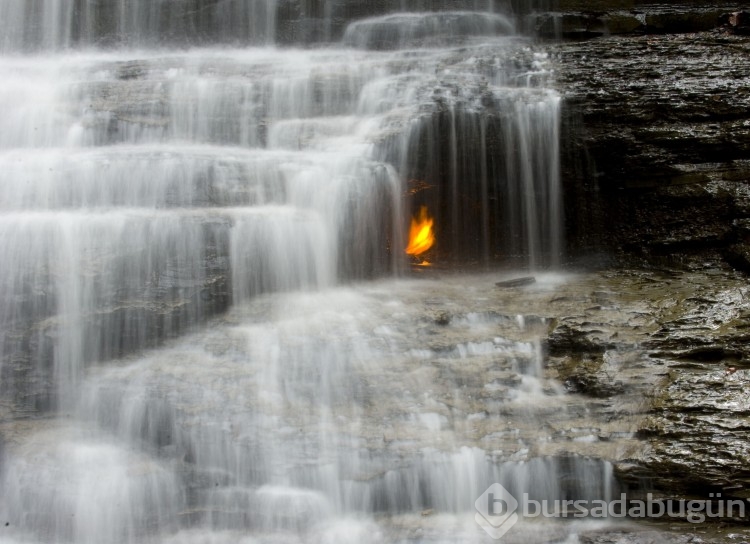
516, 282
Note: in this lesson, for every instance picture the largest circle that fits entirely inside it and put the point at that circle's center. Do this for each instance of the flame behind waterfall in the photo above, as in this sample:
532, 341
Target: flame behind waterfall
421, 236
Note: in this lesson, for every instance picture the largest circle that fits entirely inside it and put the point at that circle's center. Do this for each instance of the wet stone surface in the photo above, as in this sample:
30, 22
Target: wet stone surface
443, 375
677, 342
663, 139
653, 363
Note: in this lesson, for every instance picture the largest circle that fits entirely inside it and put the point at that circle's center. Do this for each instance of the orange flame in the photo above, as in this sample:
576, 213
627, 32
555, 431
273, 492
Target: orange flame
421, 236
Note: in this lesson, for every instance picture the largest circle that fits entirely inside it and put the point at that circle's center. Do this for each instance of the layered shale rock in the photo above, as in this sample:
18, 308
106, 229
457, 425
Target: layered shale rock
665, 354
661, 136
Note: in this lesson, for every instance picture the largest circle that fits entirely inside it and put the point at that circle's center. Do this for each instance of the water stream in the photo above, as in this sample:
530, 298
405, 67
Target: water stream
195, 347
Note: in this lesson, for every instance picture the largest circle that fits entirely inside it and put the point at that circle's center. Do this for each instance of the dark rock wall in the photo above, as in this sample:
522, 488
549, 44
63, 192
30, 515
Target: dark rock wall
656, 157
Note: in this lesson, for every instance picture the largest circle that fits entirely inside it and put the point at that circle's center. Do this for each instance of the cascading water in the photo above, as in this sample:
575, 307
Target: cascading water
146, 191
56, 24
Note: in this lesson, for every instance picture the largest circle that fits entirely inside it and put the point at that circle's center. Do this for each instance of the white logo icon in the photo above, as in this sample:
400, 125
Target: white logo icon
496, 511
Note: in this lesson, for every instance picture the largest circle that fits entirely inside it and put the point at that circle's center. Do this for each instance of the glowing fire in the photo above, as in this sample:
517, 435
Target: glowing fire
421, 236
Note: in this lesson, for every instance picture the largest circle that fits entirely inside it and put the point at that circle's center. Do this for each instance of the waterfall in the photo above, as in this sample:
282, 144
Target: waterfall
60, 24
202, 236
487, 162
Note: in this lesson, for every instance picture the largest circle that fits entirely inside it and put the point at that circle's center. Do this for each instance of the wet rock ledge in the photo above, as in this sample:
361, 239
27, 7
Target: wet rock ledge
666, 354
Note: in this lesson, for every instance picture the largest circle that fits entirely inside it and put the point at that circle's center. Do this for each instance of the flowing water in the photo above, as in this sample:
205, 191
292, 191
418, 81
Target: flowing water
193, 346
